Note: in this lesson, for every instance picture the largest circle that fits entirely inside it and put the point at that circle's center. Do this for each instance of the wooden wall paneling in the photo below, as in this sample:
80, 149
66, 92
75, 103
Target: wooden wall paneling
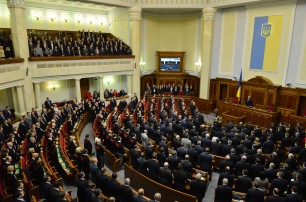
259, 98
223, 91
232, 91
213, 89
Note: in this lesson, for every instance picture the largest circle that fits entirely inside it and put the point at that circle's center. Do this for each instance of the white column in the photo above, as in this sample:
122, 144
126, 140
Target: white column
21, 49
208, 28
101, 87
129, 84
135, 27
15, 100
78, 90
20, 100
37, 96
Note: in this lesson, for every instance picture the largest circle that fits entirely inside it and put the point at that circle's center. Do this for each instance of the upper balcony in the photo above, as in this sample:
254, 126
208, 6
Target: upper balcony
59, 68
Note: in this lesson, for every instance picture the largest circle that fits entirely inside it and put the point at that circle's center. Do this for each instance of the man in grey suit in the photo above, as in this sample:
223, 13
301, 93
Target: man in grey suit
38, 52
144, 138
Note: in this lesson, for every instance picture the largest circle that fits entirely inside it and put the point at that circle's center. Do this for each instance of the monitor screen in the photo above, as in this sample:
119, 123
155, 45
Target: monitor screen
170, 64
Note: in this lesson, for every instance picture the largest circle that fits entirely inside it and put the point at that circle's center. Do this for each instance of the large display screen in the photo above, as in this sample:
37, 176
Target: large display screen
170, 64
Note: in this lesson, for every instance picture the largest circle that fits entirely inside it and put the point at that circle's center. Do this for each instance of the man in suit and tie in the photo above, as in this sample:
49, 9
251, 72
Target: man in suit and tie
249, 102
48, 103
7, 113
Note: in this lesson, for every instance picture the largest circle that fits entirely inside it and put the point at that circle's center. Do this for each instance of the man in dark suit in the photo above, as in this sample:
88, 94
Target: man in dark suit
139, 197
7, 113
114, 187
87, 144
180, 178
223, 192
82, 185
173, 160
279, 183
102, 181
255, 169
243, 182
187, 166
198, 187
240, 165
227, 174
255, 194
249, 102
126, 191
153, 168
275, 197
166, 175
294, 196
142, 164
48, 103
55, 192
205, 161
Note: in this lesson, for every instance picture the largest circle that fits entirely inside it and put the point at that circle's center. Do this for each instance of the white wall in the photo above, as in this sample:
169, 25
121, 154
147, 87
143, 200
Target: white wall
63, 92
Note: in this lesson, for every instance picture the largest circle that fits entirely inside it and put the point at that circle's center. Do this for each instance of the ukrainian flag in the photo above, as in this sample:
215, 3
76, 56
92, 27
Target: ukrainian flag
266, 42
238, 94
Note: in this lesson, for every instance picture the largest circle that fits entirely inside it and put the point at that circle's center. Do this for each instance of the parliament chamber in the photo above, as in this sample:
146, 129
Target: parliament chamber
150, 100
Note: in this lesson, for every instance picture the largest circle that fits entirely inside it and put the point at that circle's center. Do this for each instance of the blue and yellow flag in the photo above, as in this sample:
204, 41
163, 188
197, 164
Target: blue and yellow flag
239, 86
266, 42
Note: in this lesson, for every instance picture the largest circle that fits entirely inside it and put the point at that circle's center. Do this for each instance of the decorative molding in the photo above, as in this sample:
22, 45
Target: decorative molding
15, 3
209, 14
11, 84
135, 14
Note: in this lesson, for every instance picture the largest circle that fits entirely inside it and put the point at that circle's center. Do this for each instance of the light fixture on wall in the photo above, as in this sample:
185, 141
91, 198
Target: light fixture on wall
66, 20
53, 87
142, 65
199, 66
52, 19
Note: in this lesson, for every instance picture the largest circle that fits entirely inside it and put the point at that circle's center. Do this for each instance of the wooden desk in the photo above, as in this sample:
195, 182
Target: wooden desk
151, 187
226, 117
263, 118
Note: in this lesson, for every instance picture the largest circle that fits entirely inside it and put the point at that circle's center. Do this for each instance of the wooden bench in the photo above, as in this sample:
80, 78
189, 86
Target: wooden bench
151, 187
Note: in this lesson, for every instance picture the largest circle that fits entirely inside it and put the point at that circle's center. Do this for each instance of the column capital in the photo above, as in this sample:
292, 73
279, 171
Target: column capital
209, 14
135, 13
15, 3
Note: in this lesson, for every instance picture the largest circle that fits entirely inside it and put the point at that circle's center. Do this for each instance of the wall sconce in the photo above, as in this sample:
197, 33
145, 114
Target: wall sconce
66, 20
37, 17
53, 87
79, 21
199, 66
90, 22
142, 65
52, 19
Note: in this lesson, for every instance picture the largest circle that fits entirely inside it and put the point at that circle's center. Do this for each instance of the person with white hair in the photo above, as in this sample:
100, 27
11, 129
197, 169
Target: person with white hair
157, 197
99, 152
126, 191
223, 192
166, 175
198, 187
